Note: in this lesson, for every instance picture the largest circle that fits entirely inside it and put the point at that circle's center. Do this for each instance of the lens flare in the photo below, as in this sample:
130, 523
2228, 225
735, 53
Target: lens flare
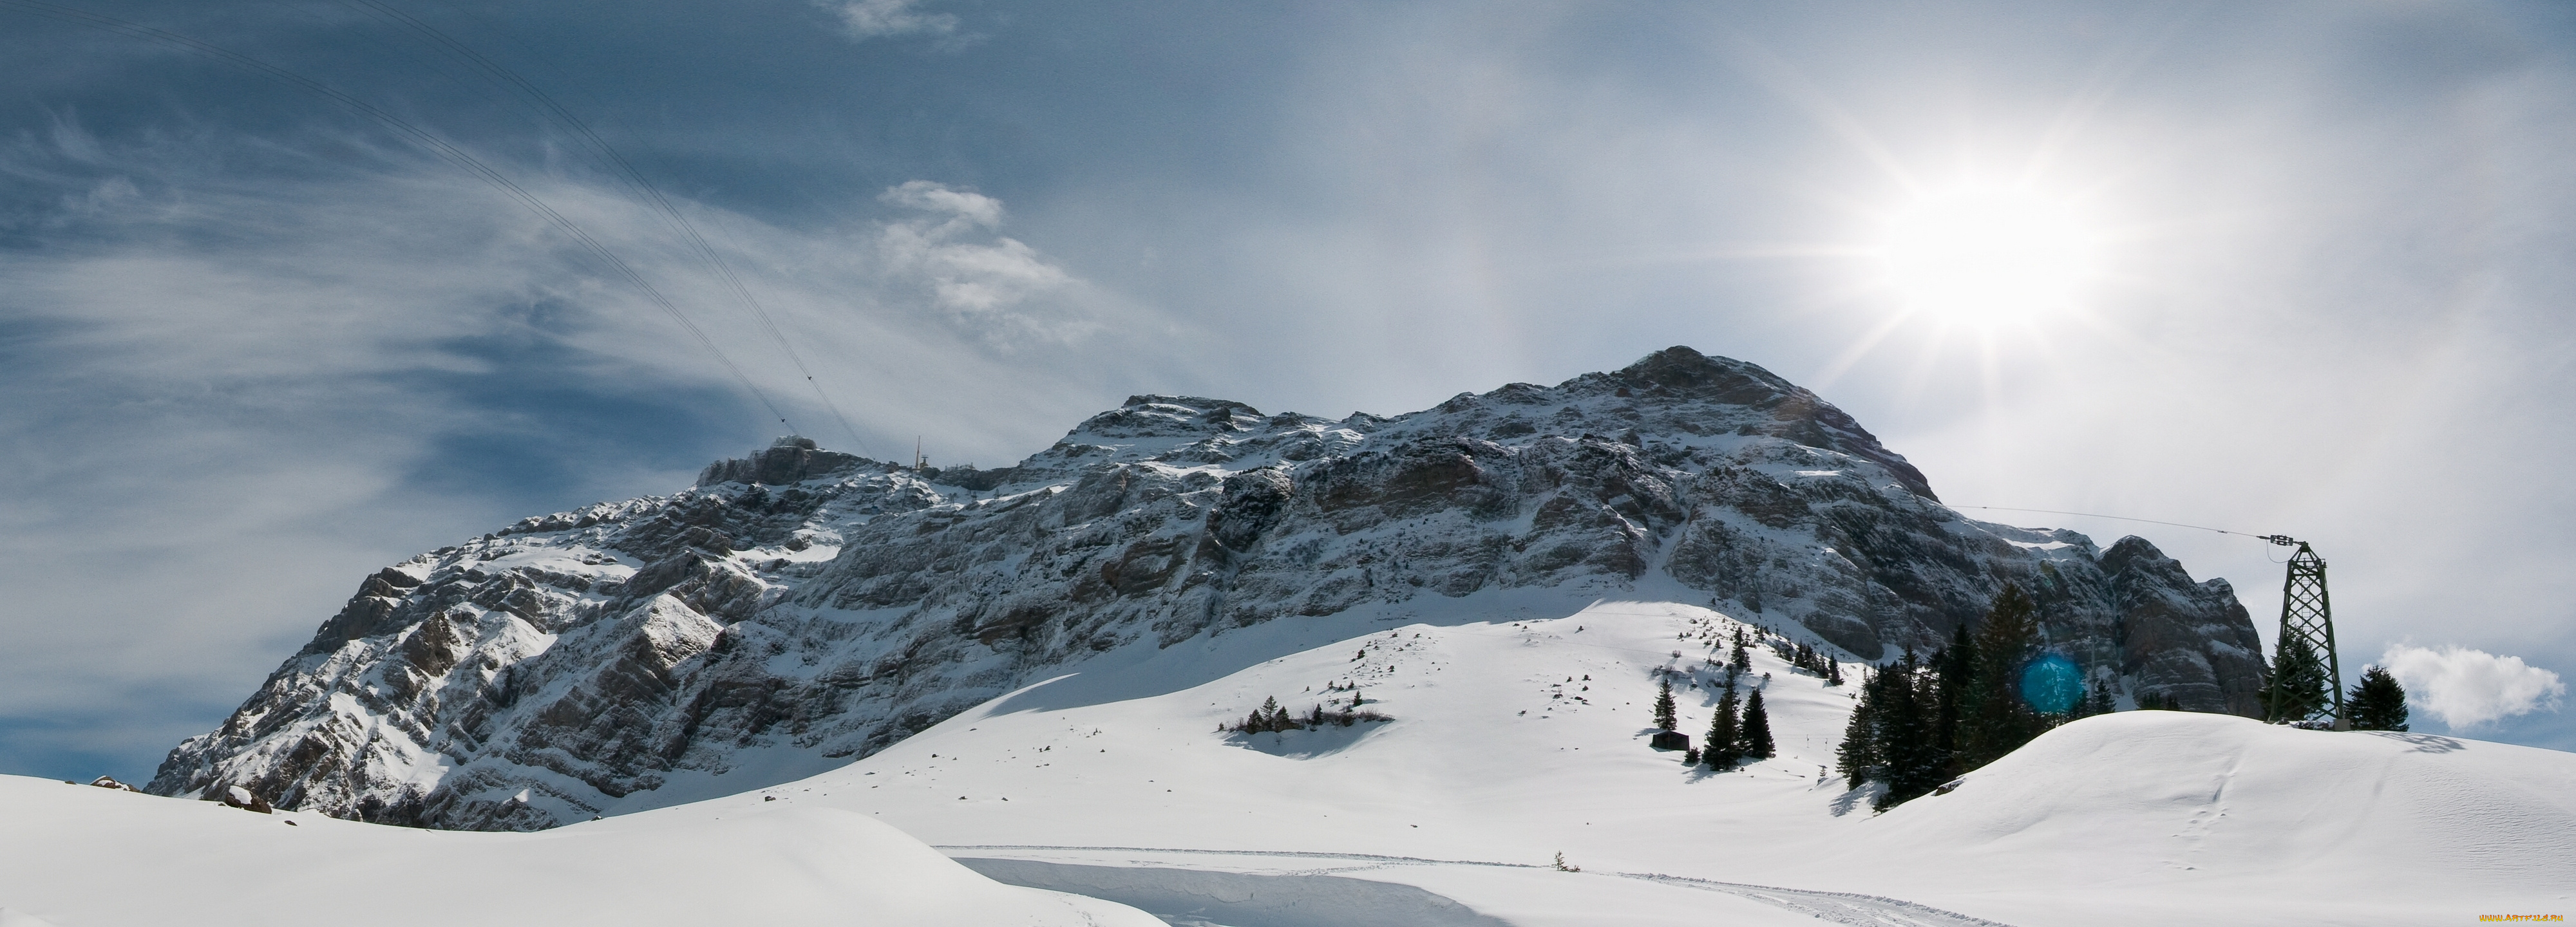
2052, 685
1987, 254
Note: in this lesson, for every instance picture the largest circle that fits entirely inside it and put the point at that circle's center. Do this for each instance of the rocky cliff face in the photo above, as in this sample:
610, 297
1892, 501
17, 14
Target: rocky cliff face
801, 607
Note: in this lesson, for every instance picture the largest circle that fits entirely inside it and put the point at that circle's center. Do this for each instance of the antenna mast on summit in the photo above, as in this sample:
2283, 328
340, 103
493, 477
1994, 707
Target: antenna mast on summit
2307, 615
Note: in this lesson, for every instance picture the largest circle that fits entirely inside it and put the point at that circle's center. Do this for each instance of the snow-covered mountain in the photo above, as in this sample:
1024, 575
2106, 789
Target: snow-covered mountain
801, 608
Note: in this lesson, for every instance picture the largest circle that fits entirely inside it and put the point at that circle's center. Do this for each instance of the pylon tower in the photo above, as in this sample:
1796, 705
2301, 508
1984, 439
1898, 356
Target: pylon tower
2308, 614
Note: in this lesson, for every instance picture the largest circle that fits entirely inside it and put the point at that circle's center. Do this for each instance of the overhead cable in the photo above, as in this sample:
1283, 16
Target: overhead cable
626, 173
2281, 539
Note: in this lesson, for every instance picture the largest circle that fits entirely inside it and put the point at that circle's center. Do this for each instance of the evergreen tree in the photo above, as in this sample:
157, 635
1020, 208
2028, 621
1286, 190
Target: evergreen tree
1724, 733
2101, 701
2000, 720
2377, 702
1954, 668
1911, 763
1857, 757
2297, 685
1833, 672
1738, 659
1757, 729
1665, 711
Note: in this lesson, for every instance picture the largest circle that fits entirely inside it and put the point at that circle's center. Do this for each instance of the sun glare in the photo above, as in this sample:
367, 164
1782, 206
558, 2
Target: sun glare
1987, 255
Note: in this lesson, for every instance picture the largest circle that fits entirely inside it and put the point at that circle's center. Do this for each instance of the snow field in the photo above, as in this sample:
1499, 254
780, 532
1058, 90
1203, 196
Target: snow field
1515, 736
78, 856
1487, 727
1502, 752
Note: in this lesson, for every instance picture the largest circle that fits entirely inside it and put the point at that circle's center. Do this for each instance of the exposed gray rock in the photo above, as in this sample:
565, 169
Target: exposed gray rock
799, 607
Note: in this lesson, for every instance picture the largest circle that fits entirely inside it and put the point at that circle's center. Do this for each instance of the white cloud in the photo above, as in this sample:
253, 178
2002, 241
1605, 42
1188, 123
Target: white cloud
965, 207
870, 19
2471, 687
981, 282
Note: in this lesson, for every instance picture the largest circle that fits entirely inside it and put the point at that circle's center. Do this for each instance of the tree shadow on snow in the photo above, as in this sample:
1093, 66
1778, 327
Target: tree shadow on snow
2424, 743
1849, 801
1305, 744
1700, 772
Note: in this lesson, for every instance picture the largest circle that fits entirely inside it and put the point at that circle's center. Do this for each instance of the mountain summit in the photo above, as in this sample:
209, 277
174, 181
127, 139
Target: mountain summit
799, 608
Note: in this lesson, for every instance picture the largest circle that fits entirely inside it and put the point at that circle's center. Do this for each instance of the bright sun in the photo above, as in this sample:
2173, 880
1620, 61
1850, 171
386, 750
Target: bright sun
1987, 254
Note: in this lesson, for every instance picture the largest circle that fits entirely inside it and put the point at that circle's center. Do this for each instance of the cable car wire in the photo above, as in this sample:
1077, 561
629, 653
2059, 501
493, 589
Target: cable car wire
626, 172
2281, 539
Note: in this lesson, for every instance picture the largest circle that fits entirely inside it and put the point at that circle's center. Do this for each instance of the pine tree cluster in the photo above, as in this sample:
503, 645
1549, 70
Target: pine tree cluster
1809, 660
2101, 701
1741, 730
1924, 722
1270, 718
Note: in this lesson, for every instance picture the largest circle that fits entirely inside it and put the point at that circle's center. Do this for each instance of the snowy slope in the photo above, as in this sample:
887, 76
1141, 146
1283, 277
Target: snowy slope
76, 856
1496, 762
2184, 816
1518, 734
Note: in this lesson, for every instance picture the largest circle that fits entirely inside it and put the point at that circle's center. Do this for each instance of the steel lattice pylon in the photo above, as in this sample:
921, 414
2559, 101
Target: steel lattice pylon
2309, 615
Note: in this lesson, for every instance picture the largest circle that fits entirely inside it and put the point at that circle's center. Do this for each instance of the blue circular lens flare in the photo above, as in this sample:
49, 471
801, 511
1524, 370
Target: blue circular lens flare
2052, 685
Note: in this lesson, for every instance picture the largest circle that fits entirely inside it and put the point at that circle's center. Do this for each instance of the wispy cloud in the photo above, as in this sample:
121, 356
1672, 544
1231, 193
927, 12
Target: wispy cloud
877, 19
985, 280
2467, 688
259, 387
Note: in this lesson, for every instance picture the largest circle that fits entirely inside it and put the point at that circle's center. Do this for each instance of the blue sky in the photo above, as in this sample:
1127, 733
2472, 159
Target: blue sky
254, 345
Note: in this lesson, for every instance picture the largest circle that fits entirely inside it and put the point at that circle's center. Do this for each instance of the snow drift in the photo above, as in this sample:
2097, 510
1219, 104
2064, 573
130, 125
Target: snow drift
78, 856
2193, 817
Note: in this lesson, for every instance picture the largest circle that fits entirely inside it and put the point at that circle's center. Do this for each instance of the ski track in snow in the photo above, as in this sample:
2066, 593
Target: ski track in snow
1831, 907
